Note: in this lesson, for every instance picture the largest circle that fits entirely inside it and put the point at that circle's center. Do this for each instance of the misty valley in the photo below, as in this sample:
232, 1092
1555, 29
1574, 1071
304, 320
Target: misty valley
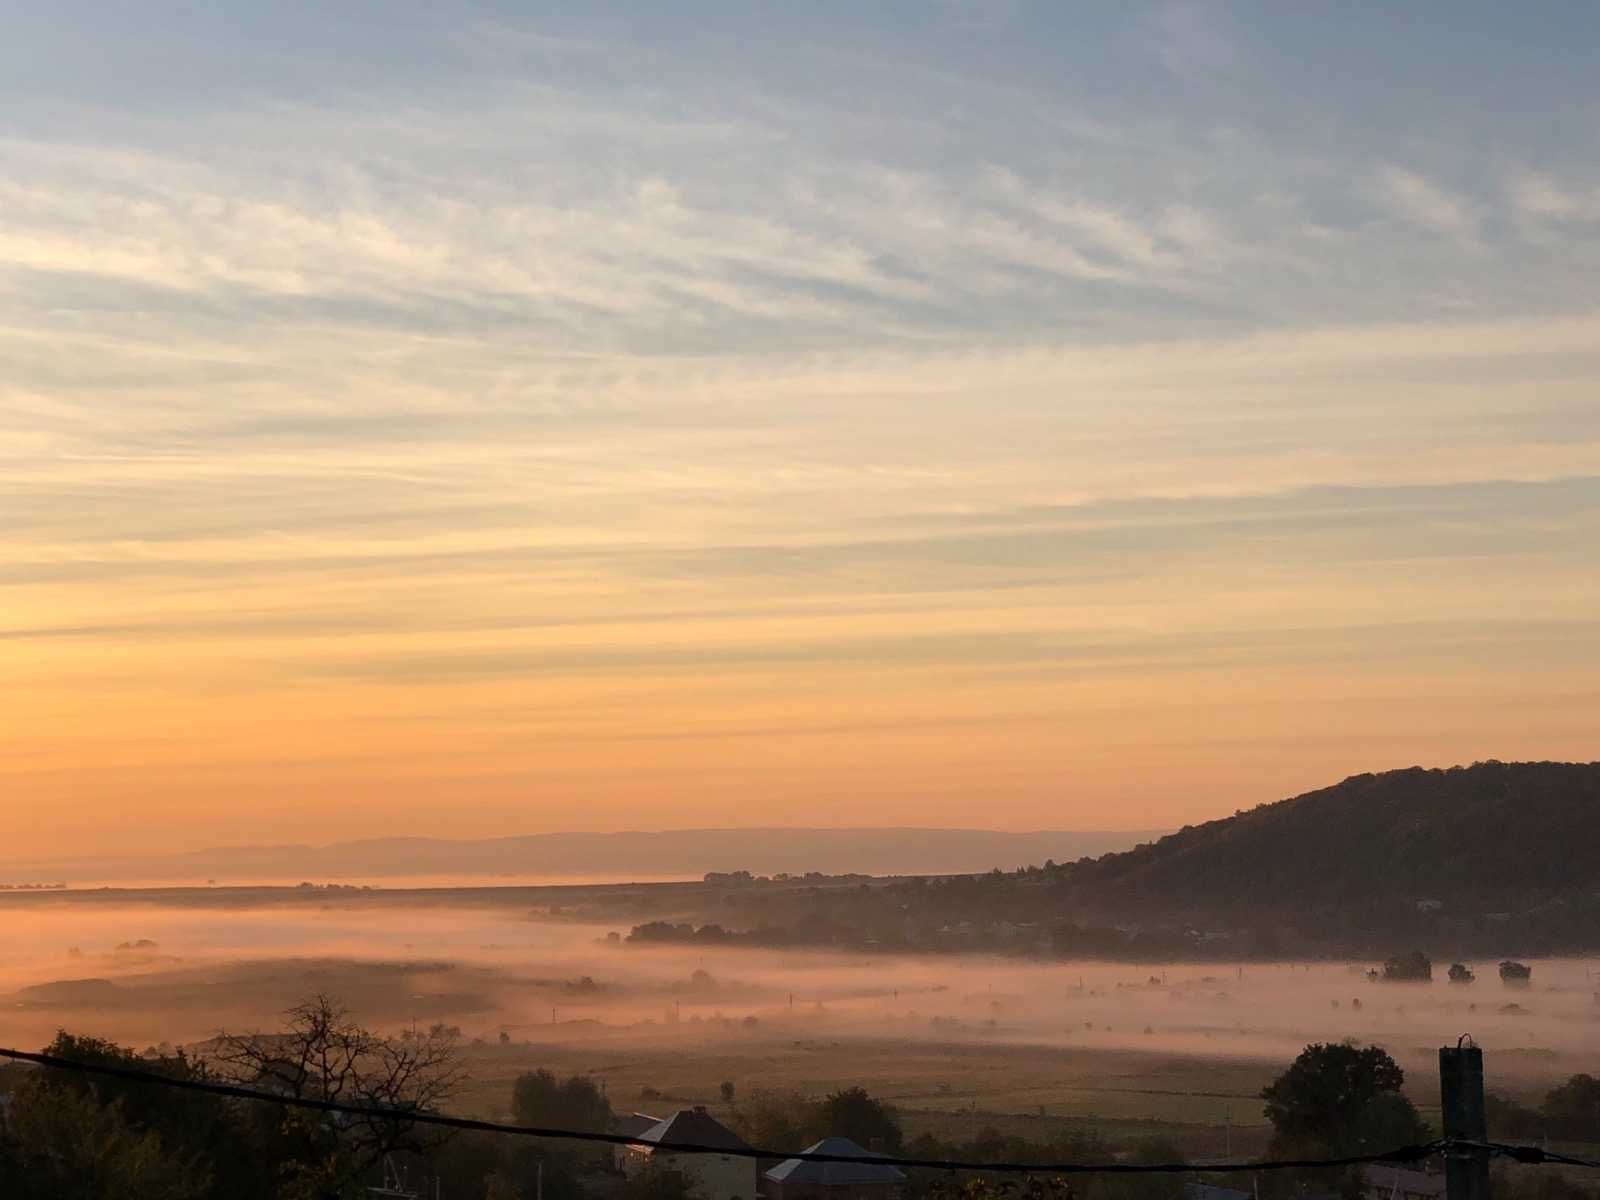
1140, 1003
957, 1042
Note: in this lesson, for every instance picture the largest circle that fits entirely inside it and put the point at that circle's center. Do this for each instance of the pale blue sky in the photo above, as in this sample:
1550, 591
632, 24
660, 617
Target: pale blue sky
828, 175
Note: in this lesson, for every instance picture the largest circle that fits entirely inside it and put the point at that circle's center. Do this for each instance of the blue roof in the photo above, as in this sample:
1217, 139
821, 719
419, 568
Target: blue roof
836, 1174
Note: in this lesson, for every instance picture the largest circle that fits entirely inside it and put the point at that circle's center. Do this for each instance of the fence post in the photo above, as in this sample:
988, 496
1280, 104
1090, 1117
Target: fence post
1466, 1172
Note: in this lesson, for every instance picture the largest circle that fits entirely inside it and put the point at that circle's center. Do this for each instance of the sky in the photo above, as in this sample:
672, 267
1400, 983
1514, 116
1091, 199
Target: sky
495, 418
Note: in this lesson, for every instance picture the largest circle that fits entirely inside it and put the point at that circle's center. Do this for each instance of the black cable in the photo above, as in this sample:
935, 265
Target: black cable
1532, 1155
1400, 1154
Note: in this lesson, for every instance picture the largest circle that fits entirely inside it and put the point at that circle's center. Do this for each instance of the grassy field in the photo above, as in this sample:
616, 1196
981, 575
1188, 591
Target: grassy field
952, 1089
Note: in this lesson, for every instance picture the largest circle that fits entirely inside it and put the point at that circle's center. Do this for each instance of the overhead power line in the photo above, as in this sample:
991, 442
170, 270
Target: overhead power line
1399, 1154
1531, 1155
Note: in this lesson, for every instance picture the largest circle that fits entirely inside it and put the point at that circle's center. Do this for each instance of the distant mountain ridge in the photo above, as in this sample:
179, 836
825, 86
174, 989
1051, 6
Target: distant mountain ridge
618, 855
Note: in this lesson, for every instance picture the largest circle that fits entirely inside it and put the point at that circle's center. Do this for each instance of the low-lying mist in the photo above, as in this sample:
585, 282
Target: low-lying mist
144, 973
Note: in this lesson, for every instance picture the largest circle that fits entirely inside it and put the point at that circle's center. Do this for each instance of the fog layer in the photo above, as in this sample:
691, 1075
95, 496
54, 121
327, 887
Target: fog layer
146, 973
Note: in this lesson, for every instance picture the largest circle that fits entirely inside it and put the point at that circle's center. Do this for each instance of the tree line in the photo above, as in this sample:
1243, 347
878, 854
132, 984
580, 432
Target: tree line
67, 1135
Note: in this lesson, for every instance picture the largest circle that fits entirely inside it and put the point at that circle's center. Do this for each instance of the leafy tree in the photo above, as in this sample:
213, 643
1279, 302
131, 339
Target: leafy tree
1337, 1099
1461, 973
791, 1120
854, 1114
1509, 1121
64, 1143
1415, 967
466, 1163
1572, 1111
142, 1105
1389, 1119
539, 1098
658, 1182
1141, 1187
200, 1129
727, 1092
779, 1118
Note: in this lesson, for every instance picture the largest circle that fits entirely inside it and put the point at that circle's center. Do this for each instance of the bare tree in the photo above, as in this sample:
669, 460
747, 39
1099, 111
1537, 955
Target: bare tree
323, 1054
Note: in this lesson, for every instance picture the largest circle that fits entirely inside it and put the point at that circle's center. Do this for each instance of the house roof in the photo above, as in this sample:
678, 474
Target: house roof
1210, 1191
695, 1127
836, 1174
634, 1124
1388, 1179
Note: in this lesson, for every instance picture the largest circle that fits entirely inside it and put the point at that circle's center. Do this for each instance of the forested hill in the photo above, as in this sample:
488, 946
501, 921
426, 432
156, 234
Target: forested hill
1490, 838
1492, 859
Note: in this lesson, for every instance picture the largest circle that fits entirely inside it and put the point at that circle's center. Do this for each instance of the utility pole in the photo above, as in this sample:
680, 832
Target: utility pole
1466, 1171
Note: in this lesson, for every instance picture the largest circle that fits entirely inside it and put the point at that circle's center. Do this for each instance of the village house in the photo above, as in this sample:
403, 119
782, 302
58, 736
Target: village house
633, 1125
711, 1176
1195, 1190
1381, 1181
798, 1179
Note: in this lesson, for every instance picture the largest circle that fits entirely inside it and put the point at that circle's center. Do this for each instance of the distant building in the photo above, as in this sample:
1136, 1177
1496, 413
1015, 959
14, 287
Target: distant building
1210, 1191
712, 1176
798, 1179
1383, 1182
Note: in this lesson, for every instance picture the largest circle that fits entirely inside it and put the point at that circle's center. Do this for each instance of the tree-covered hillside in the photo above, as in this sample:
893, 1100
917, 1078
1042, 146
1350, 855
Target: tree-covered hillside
1492, 837
1495, 858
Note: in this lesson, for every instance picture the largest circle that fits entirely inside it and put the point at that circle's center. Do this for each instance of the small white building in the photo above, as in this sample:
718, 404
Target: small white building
712, 1176
1380, 1181
633, 1125
1195, 1190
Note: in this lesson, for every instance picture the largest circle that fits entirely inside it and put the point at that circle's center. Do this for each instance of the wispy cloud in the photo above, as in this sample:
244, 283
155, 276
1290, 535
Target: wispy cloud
1540, 196
1425, 203
433, 392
